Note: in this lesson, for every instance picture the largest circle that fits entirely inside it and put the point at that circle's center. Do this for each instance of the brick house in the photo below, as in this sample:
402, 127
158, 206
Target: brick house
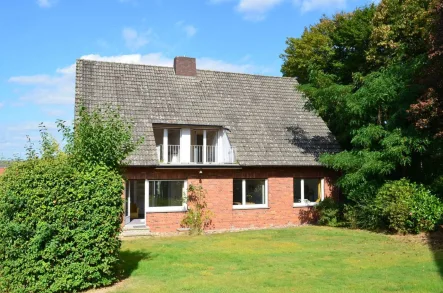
247, 139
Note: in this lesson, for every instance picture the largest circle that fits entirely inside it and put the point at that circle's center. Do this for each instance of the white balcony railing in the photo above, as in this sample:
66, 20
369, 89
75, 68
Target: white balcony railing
198, 155
173, 154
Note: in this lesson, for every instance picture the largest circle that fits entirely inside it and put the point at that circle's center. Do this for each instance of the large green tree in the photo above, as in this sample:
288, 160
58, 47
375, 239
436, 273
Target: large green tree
370, 90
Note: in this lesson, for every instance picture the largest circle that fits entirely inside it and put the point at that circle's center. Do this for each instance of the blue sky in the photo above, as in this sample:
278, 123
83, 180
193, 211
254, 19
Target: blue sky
43, 38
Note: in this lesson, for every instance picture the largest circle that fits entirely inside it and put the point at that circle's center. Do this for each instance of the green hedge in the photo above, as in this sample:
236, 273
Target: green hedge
59, 226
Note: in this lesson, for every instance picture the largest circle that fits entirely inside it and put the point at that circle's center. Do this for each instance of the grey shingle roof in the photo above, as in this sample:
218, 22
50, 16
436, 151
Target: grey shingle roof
268, 123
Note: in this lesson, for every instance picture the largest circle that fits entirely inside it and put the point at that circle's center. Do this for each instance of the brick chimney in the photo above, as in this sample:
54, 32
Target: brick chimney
185, 66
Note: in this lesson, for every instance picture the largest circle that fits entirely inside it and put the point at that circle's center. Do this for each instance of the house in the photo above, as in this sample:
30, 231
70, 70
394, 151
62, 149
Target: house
247, 139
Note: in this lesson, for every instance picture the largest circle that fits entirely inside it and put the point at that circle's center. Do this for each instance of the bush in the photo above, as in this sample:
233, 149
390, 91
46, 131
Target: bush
406, 207
198, 217
60, 213
361, 215
59, 226
329, 213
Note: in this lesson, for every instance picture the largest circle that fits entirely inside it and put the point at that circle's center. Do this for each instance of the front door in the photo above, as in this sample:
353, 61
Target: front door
127, 203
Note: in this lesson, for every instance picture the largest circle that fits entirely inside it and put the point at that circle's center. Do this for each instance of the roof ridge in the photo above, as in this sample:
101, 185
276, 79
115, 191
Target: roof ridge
198, 70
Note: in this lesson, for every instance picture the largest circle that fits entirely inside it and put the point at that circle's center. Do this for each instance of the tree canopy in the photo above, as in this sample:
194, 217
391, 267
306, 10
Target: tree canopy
375, 76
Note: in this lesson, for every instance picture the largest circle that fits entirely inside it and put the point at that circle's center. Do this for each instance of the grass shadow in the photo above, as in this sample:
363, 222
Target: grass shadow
129, 262
435, 243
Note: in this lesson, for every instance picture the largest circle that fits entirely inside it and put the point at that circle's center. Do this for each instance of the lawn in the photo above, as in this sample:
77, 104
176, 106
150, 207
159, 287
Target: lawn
304, 259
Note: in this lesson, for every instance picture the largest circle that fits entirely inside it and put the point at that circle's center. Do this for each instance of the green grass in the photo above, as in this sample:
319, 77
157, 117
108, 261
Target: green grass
305, 259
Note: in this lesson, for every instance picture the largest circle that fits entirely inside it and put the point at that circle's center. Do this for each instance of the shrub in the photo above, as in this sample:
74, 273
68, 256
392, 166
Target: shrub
60, 213
329, 213
362, 215
406, 207
198, 217
59, 226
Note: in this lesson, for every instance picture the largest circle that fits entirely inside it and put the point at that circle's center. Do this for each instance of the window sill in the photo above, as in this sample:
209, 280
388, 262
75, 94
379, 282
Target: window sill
308, 204
167, 209
249, 207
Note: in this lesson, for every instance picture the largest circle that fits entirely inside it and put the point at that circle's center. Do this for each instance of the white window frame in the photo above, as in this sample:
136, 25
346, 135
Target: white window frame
302, 192
244, 206
182, 208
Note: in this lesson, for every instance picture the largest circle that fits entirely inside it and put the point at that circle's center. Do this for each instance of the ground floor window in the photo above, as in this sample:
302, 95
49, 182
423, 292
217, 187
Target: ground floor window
250, 193
167, 195
308, 192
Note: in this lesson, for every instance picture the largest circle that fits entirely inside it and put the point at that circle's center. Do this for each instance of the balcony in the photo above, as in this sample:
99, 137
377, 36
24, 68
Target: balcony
197, 155
193, 146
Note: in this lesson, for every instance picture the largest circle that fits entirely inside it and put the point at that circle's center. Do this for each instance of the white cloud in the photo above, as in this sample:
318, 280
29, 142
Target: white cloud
219, 65
31, 126
189, 29
256, 9
46, 3
135, 40
320, 5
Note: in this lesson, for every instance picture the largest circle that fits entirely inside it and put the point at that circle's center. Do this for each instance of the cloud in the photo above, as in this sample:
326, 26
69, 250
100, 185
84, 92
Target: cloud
46, 3
31, 126
320, 5
189, 29
135, 40
256, 9
219, 65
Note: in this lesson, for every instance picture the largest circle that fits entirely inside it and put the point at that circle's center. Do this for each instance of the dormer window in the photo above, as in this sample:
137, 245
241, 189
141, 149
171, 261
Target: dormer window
197, 145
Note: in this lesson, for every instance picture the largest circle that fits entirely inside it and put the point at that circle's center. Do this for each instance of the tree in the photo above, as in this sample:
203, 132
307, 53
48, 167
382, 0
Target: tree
335, 45
100, 136
379, 92
400, 26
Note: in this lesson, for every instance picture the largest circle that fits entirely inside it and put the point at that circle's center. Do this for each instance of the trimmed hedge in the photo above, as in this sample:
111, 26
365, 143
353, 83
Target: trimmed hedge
59, 225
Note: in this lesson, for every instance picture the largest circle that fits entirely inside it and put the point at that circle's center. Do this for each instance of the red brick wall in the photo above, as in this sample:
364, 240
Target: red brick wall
219, 186
2, 170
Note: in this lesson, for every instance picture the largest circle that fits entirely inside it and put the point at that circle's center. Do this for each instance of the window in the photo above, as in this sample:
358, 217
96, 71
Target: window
167, 196
250, 193
308, 192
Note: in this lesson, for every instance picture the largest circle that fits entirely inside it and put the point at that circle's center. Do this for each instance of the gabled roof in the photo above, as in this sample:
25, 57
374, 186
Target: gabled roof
265, 115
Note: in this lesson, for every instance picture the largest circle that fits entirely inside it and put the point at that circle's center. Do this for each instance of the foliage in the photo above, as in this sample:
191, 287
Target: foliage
337, 46
400, 28
385, 106
198, 217
59, 226
100, 136
329, 213
60, 212
406, 207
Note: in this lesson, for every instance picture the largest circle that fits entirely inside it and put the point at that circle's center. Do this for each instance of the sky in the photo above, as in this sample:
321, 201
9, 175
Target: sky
41, 40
